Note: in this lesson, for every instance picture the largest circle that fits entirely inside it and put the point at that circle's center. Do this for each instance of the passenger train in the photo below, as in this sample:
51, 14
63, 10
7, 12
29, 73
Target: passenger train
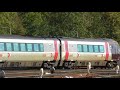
26, 51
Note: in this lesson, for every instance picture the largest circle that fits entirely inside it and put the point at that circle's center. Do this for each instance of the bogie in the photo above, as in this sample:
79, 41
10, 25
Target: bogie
111, 64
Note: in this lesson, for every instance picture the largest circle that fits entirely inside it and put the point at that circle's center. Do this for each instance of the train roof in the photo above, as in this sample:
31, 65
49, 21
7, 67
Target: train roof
89, 39
54, 38
25, 37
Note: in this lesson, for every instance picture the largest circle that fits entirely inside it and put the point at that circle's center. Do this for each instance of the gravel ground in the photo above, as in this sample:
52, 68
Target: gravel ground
79, 73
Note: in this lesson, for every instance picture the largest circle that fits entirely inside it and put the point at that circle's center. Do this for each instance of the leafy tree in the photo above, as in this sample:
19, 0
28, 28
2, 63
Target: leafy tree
70, 24
32, 21
10, 22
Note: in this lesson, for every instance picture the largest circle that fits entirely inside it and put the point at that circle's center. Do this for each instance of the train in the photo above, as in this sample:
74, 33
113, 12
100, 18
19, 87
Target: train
60, 52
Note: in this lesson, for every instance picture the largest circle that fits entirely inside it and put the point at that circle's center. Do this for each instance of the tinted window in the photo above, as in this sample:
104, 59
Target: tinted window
101, 48
2, 48
79, 47
8, 46
22, 46
29, 47
90, 48
41, 47
85, 48
36, 47
96, 48
16, 46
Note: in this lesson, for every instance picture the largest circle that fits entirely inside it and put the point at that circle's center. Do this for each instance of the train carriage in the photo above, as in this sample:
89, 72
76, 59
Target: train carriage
104, 52
25, 51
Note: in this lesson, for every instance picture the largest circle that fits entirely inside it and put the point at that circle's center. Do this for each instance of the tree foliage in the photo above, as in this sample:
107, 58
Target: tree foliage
10, 21
70, 24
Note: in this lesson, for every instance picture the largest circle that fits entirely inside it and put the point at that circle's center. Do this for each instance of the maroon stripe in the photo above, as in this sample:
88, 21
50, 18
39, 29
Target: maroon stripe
56, 50
67, 52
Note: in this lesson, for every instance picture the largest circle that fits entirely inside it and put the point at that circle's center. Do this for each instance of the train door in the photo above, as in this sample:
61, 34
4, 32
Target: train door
70, 53
49, 51
114, 53
114, 50
73, 54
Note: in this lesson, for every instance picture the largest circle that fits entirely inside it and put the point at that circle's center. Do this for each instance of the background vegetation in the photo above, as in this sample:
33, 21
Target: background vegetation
69, 24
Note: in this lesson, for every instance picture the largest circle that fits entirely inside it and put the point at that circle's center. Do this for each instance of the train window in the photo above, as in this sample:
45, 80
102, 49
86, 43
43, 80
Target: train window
8, 46
41, 47
2, 48
79, 47
35, 47
22, 46
29, 47
96, 48
101, 48
15, 46
90, 48
85, 49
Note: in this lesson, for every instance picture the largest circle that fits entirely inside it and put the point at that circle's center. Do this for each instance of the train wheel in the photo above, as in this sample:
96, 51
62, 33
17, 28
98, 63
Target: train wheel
71, 64
111, 64
48, 66
65, 65
108, 65
115, 63
45, 65
68, 65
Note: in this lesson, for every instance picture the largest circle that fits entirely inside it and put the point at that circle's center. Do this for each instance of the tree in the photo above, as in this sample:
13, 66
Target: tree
33, 22
10, 21
69, 24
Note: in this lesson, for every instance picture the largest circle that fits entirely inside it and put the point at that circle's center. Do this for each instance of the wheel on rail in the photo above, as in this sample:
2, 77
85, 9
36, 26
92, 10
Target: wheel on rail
65, 65
68, 65
44, 65
47, 65
71, 64
111, 64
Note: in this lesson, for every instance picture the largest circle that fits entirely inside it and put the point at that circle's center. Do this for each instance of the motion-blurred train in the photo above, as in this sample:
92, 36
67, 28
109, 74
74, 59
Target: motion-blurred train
26, 51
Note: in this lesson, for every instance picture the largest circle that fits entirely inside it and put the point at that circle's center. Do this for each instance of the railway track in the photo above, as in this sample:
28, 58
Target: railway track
80, 73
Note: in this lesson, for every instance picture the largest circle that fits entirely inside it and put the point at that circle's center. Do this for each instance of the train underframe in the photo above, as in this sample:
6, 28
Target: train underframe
58, 64
111, 64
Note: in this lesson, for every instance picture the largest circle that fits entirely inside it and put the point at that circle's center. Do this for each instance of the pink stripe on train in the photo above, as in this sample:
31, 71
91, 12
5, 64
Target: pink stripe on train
56, 50
107, 51
66, 49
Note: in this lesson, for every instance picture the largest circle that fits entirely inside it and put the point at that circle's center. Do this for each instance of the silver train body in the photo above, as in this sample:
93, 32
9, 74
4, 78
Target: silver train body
21, 51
